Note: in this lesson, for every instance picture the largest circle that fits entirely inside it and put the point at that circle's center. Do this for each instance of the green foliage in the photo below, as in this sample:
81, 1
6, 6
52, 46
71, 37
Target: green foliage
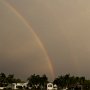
67, 80
2, 79
37, 81
40, 82
10, 78
5, 80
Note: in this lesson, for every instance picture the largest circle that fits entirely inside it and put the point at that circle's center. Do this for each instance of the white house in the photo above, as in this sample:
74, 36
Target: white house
50, 86
1, 88
17, 85
55, 87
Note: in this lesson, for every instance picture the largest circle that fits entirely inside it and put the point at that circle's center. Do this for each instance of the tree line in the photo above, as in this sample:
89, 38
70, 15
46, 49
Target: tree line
37, 81
69, 81
61, 81
8, 79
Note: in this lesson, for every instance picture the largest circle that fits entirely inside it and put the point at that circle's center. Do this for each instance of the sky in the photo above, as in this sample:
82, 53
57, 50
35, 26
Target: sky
62, 27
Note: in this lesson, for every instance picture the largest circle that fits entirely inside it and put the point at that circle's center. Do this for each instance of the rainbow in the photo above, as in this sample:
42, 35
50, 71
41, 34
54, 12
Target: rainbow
26, 23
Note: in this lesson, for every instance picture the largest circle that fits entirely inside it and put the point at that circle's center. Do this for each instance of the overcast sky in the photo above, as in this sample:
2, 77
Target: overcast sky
63, 27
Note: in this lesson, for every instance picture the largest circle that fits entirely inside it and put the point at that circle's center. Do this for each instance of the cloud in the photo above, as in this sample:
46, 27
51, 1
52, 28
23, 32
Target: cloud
63, 27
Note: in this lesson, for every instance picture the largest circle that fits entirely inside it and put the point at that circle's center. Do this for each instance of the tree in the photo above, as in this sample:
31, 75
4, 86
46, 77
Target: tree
60, 81
43, 80
2, 79
67, 79
10, 79
82, 80
18, 80
37, 81
57, 82
33, 80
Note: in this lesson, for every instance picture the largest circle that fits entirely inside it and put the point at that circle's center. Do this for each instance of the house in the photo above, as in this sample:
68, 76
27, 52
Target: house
17, 85
50, 86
